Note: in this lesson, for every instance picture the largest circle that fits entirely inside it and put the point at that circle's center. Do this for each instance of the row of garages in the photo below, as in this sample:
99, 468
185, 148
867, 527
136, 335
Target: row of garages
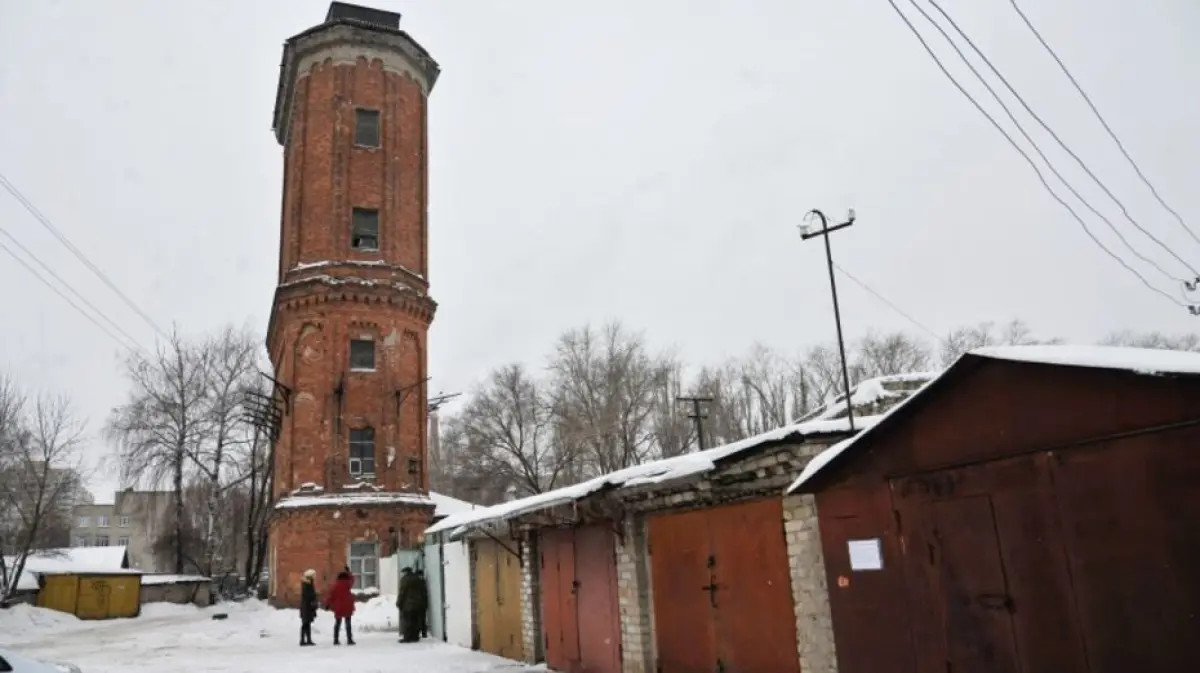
1031, 509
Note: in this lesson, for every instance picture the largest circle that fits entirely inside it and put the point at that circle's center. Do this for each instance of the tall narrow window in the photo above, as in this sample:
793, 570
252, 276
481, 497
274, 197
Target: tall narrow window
101, 540
362, 355
364, 564
364, 234
362, 452
366, 128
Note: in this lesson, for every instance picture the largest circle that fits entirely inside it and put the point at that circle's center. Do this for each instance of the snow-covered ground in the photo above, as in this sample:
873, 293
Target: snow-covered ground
254, 638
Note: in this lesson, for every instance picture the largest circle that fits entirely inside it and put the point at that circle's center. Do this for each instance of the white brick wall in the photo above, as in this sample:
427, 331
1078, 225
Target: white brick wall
531, 617
814, 624
633, 598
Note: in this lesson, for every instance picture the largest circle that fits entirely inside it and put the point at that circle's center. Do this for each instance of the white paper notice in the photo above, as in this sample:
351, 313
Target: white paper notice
865, 554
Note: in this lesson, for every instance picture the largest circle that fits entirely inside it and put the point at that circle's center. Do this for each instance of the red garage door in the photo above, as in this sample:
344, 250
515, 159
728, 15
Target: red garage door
580, 622
722, 590
560, 622
596, 579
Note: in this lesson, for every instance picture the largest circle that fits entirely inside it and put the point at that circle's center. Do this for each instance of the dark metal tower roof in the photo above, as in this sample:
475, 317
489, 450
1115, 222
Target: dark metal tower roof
378, 17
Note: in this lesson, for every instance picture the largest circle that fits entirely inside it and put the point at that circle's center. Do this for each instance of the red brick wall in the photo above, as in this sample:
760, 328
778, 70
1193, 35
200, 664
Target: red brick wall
327, 175
330, 293
319, 538
314, 347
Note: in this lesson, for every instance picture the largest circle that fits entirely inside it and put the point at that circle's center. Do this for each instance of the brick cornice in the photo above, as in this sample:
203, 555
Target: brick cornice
319, 290
345, 41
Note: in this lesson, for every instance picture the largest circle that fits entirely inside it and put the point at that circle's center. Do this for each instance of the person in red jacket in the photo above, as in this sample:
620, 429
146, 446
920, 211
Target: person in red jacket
340, 599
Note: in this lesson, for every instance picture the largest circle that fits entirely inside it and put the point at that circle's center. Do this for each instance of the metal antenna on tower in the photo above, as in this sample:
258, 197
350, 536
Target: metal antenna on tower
440, 399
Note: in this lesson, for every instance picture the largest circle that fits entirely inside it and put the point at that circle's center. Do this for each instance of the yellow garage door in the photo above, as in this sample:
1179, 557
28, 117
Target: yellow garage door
498, 599
59, 592
108, 596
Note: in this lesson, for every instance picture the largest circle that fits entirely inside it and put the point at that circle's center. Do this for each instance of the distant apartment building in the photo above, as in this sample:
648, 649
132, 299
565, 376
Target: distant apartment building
97, 525
132, 519
34, 493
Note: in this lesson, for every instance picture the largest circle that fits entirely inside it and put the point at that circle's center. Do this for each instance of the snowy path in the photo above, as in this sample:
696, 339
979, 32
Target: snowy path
254, 639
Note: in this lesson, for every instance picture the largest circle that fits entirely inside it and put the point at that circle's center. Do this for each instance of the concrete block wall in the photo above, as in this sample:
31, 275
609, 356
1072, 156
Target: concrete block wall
757, 475
633, 598
531, 617
810, 593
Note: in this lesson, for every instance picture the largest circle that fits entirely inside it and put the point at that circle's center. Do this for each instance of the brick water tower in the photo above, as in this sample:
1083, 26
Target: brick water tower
349, 326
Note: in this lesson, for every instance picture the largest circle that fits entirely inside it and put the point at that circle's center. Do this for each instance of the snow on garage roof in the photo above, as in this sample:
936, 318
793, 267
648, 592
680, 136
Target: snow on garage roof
654, 472
174, 579
69, 560
1140, 360
444, 505
1147, 361
873, 391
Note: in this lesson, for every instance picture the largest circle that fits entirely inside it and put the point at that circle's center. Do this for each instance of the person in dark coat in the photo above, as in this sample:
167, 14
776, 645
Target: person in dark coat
340, 600
308, 607
412, 601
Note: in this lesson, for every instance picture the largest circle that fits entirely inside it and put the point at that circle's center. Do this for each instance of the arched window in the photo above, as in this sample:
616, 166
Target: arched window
362, 452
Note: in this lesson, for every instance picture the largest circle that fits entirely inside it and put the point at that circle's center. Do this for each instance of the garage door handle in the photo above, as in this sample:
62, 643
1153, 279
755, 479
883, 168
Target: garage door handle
996, 602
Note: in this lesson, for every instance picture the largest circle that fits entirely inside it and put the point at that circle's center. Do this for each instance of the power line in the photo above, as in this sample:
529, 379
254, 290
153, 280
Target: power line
890, 305
67, 299
67, 285
1103, 122
1044, 125
45, 222
1028, 159
1037, 148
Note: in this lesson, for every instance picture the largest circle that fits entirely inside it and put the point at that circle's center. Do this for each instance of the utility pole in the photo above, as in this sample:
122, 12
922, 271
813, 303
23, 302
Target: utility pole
697, 414
807, 232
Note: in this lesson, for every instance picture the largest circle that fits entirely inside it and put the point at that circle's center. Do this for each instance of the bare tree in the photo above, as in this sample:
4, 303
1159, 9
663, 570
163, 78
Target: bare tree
761, 390
259, 464
613, 402
40, 476
465, 470
673, 432
162, 421
604, 391
1178, 342
228, 363
506, 423
965, 339
891, 353
823, 368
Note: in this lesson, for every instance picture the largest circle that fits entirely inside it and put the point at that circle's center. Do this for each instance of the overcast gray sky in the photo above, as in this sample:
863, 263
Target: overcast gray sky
647, 161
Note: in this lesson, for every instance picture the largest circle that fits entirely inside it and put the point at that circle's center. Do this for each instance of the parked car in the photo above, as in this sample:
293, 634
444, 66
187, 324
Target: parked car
11, 662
